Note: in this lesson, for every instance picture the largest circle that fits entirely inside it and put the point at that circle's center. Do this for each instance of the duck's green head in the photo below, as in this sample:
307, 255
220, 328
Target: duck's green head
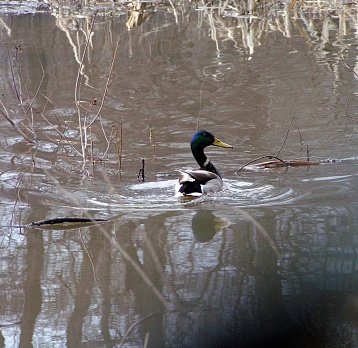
199, 141
203, 138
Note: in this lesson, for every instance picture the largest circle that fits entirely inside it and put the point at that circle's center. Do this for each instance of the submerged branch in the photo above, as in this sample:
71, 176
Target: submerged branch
256, 159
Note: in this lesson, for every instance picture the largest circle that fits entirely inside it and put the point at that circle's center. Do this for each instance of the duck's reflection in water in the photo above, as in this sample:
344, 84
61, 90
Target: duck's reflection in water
205, 225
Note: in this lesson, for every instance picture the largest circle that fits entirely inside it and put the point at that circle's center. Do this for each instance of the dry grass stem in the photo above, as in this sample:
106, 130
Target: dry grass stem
200, 106
324, 143
284, 140
119, 145
109, 142
151, 139
91, 144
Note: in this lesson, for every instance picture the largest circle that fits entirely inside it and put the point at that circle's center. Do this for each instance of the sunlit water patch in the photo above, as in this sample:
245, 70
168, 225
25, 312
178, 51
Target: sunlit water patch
334, 178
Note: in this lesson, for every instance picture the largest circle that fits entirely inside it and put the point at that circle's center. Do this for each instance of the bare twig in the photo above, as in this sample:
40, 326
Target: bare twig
141, 175
301, 137
119, 144
61, 133
307, 153
15, 85
288, 131
91, 144
31, 101
107, 84
324, 143
109, 141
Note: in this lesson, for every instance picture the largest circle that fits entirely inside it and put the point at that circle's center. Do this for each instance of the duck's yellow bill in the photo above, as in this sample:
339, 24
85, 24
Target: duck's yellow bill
218, 142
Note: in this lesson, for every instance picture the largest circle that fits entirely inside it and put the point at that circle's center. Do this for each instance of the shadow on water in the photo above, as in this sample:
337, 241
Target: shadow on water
268, 261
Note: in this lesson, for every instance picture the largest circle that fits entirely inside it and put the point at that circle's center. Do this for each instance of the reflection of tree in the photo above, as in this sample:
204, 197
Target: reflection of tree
267, 318
245, 22
248, 23
153, 264
139, 13
32, 287
84, 289
235, 291
103, 272
320, 271
229, 289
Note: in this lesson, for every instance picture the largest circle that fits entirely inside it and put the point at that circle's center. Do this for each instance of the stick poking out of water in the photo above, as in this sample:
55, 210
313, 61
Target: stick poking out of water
141, 175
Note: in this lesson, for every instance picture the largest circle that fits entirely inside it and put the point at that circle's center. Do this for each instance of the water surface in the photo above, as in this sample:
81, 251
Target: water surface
270, 259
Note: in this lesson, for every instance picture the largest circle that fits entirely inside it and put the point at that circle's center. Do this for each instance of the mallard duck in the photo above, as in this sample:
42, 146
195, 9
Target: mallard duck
207, 178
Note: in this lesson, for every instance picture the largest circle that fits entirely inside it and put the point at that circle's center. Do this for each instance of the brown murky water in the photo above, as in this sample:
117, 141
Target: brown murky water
163, 272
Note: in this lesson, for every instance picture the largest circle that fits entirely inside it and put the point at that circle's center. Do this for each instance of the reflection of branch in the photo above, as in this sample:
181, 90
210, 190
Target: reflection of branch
62, 24
18, 199
140, 321
90, 259
336, 51
5, 26
200, 106
253, 22
82, 129
139, 270
19, 83
5, 113
116, 245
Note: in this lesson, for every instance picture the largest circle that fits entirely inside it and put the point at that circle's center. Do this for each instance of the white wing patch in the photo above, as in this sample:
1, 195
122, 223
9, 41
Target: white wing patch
210, 181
